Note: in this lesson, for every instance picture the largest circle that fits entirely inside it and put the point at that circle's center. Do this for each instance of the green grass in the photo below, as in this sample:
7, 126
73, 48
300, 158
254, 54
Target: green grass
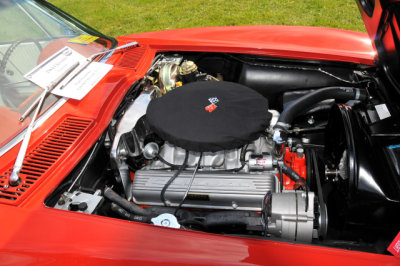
121, 17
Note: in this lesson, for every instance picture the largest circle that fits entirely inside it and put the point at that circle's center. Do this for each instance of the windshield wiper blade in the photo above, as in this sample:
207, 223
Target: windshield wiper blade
66, 80
75, 69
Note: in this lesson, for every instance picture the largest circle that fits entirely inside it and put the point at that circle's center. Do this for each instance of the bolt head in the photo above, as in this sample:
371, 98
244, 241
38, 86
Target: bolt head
234, 205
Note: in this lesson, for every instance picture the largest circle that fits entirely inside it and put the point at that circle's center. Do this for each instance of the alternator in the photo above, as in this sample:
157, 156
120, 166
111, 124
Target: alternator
292, 217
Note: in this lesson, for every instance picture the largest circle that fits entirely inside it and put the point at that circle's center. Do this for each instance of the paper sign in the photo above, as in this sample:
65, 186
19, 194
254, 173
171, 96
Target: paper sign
83, 39
55, 67
84, 81
66, 65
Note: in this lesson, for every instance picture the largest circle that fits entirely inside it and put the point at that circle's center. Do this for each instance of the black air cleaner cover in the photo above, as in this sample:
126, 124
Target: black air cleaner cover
209, 116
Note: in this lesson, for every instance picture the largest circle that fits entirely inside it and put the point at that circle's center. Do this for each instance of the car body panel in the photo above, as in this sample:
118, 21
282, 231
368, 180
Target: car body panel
372, 21
310, 43
35, 234
63, 237
382, 25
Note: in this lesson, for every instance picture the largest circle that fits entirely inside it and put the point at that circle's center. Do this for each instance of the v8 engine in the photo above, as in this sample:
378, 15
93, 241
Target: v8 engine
216, 143
205, 146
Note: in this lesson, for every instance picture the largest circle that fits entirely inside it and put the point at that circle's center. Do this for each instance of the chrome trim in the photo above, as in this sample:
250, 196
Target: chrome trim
132, 114
33, 19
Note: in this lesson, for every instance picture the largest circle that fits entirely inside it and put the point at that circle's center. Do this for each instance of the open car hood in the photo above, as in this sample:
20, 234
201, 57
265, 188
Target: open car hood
382, 18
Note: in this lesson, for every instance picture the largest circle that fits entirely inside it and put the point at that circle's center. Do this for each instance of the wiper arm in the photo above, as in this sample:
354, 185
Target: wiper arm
90, 59
122, 48
14, 177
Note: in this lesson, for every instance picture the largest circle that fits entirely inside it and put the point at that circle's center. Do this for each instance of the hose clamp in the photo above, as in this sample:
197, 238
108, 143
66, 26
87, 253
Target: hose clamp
358, 94
282, 125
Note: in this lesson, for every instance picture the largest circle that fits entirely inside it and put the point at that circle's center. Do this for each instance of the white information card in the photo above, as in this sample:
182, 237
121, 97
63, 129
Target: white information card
61, 66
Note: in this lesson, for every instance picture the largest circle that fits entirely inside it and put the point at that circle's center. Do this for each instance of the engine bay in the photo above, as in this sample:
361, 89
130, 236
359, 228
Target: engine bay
248, 146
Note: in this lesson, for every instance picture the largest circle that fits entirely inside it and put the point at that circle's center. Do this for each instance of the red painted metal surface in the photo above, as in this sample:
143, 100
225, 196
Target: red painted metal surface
61, 237
35, 234
309, 43
42, 159
131, 58
298, 164
394, 247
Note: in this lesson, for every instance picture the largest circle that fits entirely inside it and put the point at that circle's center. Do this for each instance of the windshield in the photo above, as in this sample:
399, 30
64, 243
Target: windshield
30, 32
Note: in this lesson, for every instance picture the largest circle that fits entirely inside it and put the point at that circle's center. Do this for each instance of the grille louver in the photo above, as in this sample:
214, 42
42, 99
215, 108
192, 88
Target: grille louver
131, 58
40, 160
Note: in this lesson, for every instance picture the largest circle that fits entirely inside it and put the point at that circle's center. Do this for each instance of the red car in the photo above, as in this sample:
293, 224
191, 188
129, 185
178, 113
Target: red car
226, 145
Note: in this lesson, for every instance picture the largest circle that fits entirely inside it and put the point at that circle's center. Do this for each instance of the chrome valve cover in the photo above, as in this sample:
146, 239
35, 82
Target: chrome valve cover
210, 189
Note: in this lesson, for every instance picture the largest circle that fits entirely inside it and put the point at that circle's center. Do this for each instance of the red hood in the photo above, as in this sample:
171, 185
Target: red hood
309, 43
382, 18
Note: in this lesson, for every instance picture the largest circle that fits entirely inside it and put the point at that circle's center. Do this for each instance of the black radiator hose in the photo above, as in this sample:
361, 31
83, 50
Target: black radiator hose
232, 218
307, 101
127, 205
300, 182
291, 173
127, 215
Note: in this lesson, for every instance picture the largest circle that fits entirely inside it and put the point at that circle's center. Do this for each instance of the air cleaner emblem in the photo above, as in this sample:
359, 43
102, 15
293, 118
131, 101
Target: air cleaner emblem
210, 108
